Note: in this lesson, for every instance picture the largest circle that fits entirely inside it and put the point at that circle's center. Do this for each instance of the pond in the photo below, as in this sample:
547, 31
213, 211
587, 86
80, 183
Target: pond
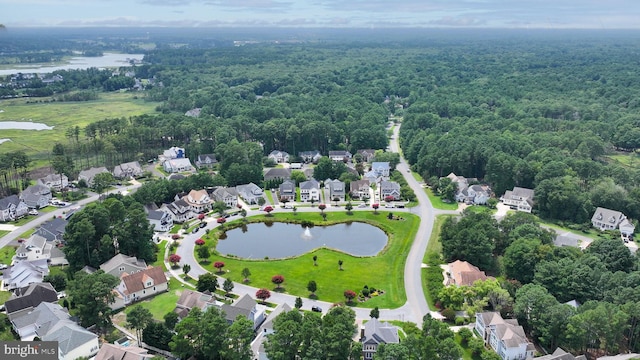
281, 240
23, 125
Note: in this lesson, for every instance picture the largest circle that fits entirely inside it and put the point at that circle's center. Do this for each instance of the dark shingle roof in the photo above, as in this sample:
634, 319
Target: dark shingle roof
31, 296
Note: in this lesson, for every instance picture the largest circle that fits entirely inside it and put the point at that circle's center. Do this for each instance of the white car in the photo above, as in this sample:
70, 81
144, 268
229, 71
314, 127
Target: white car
33, 212
3, 266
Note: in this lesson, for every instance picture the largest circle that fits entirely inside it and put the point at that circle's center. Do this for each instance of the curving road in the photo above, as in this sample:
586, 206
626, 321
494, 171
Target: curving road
416, 306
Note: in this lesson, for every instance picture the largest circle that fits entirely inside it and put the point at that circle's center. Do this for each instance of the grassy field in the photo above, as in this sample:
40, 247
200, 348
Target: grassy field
437, 202
382, 271
161, 304
6, 254
631, 160
435, 245
62, 115
3, 233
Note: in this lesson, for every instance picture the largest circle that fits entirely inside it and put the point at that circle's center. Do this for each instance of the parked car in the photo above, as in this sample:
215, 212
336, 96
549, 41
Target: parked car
203, 224
3, 266
33, 212
195, 230
316, 309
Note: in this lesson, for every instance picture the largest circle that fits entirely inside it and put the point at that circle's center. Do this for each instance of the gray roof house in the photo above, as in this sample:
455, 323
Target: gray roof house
89, 174
51, 322
520, 199
52, 230
375, 333
360, 189
128, 170
340, 155
206, 160
250, 193
36, 196
160, 220
287, 191
190, 299
606, 219
267, 325
177, 165
277, 173
27, 298
505, 336
310, 156
179, 210
12, 208
389, 189
121, 264
55, 182
309, 190
367, 154
246, 306
227, 195
337, 189
24, 273
119, 352
381, 169
279, 156
560, 354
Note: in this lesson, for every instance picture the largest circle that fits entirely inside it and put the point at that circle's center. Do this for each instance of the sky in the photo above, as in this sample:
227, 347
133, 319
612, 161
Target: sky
545, 14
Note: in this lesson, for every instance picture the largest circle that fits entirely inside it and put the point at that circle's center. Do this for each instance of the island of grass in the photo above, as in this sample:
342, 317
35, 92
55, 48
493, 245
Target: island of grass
384, 271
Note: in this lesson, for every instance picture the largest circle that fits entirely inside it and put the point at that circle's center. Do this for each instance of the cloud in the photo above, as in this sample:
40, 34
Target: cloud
166, 2
460, 21
295, 22
250, 4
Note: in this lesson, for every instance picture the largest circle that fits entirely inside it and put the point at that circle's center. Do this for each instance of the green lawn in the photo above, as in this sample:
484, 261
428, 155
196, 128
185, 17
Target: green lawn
438, 203
631, 160
6, 254
47, 209
161, 304
435, 245
4, 296
3, 233
63, 115
23, 221
382, 272
27, 233
269, 196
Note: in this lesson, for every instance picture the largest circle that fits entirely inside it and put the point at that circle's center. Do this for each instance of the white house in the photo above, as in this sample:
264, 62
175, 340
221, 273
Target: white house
340, 155
251, 193
246, 306
605, 219
199, 200
89, 174
505, 337
139, 285
381, 169
279, 156
160, 220
310, 156
24, 272
55, 182
179, 210
227, 195
267, 325
172, 153
474, 194
12, 208
309, 190
51, 322
122, 264
520, 199
389, 189
177, 165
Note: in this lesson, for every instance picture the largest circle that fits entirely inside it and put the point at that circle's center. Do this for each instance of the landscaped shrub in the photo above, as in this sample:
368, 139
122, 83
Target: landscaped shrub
449, 314
459, 320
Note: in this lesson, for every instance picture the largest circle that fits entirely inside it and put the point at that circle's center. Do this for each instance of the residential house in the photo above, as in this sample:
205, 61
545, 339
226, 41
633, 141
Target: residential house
381, 169
12, 208
54, 182
505, 336
279, 156
246, 306
195, 112
36, 196
520, 199
621, 357
560, 354
375, 333
605, 219
172, 153
360, 189
337, 189
51, 322
24, 273
371, 177
250, 193
474, 194
389, 190
267, 325
227, 195
160, 220
199, 200
119, 352
366, 154
190, 299
28, 297
287, 191
90, 174
179, 210
461, 273
340, 155
310, 156
310, 190
140, 285
177, 165
35, 247
206, 161
295, 166
277, 174
52, 230
122, 264
130, 170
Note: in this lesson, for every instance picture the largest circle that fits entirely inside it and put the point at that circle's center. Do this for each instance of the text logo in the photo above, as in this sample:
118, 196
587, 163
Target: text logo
29, 350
